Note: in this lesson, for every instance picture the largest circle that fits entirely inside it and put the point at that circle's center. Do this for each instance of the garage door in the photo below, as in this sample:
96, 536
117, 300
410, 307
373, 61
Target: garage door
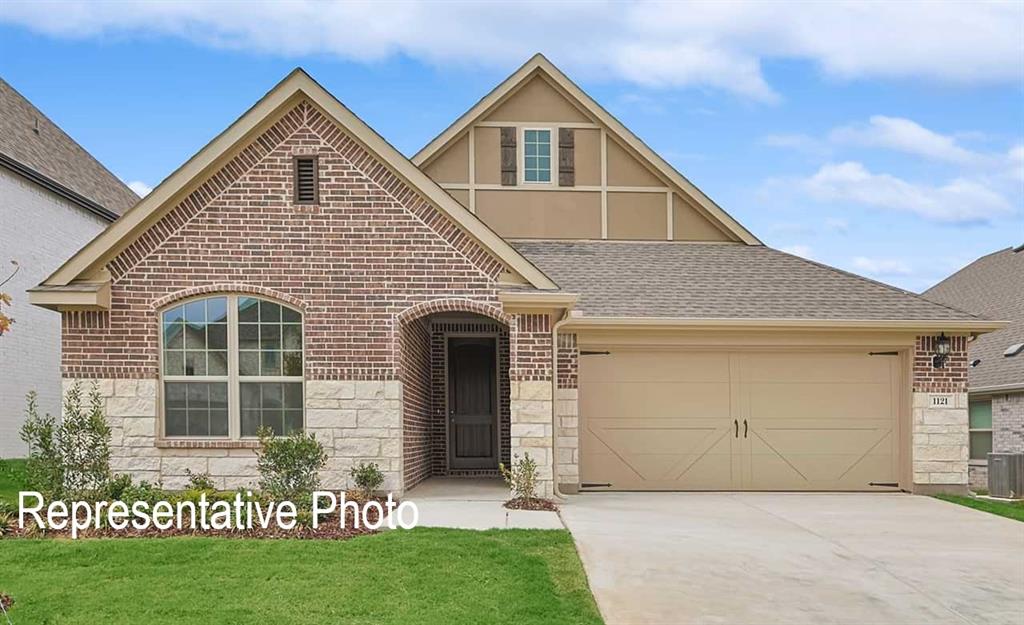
711, 420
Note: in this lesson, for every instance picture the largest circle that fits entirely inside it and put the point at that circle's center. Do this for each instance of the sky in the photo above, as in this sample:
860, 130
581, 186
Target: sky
886, 139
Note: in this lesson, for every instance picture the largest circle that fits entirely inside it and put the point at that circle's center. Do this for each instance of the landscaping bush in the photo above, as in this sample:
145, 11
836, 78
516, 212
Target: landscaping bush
367, 478
289, 465
69, 459
522, 477
199, 481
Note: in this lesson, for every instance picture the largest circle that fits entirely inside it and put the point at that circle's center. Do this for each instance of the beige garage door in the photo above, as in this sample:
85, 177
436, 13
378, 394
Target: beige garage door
711, 420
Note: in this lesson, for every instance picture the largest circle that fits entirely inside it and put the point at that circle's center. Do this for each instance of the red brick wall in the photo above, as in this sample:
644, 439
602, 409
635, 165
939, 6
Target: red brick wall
531, 348
952, 378
371, 249
568, 361
416, 401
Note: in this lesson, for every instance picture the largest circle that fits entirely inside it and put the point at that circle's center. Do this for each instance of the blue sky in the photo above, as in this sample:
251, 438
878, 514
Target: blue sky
896, 152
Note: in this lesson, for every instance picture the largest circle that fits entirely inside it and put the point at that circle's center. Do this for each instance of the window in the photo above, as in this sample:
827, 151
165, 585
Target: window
307, 180
537, 155
980, 429
231, 365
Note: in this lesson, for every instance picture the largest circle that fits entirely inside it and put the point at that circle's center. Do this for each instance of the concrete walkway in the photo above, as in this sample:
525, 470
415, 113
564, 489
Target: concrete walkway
675, 558
474, 504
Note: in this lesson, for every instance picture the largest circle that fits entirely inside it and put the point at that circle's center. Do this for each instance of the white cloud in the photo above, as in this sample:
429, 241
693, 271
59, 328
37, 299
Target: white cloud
904, 135
959, 201
701, 43
881, 267
803, 251
140, 188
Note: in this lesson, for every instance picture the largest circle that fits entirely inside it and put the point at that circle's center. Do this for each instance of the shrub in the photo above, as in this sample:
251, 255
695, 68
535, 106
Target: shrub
117, 486
143, 491
289, 466
6, 518
367, 478
199, 481
522, 477
71, 458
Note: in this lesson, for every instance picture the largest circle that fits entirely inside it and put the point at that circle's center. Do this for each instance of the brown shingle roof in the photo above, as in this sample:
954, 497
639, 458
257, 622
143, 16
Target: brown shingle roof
718, 281
992, 286
55, 155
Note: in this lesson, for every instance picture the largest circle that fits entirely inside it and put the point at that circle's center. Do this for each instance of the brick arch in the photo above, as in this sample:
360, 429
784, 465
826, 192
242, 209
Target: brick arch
228, 287
451, 304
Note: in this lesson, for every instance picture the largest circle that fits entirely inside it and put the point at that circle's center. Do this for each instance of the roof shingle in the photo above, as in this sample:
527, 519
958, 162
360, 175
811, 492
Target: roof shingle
30, 138
719, 281
992, 286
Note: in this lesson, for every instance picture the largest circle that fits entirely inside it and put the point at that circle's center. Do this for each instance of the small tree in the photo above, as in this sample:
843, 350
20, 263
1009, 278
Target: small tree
69, 459
522, 477
289, 466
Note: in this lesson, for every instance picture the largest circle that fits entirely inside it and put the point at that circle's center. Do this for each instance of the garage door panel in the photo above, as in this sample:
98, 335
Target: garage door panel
664, 420
657, 366
842, 401
693, 456
644, 400
819, 367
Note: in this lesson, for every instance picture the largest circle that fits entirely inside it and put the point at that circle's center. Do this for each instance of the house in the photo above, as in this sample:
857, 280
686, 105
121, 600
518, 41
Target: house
54, 198
535, 280
992, 286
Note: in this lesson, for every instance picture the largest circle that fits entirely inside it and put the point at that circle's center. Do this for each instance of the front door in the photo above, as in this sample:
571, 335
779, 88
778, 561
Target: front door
472, 403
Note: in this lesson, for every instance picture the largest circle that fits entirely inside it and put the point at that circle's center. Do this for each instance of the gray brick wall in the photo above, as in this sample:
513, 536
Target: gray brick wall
40, 231
1008, 423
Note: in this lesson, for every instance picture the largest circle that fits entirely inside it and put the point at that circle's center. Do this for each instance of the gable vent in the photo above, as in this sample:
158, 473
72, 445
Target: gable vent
307, 181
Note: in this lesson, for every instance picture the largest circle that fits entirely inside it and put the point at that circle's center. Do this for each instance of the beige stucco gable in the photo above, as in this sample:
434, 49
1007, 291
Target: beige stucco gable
620, 188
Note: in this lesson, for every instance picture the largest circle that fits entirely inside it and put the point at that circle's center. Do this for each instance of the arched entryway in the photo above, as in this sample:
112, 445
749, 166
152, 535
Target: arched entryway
456, 418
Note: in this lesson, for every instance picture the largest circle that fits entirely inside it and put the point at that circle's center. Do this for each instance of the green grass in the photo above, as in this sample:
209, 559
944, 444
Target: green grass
1009, 509
12, 480
418, 576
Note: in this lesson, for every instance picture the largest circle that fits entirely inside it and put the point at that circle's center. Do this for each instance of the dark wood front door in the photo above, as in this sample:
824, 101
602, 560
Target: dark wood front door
472, 403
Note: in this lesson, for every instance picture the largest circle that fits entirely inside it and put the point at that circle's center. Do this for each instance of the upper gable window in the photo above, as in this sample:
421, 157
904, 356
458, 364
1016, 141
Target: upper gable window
537, 155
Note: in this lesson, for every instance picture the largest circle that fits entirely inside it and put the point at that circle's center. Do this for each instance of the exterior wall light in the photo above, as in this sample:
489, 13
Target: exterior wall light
941, 351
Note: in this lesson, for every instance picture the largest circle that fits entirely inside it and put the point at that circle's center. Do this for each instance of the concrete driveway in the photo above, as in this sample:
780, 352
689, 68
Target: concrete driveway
797, 558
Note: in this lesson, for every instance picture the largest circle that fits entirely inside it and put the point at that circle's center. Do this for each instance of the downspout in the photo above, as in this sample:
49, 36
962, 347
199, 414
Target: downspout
554, 403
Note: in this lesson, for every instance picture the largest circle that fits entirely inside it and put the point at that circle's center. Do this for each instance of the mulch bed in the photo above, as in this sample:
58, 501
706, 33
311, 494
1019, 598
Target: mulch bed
329, 528
533, 503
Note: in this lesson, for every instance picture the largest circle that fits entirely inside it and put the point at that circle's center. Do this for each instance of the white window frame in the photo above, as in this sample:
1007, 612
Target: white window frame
233, 379
553, 153
971, 430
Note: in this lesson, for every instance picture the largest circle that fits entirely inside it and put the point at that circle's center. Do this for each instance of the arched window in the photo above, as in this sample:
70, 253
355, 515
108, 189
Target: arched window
231, 364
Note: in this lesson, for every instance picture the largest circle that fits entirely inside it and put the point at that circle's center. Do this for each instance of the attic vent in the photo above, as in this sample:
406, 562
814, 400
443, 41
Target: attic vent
1014, 349
307, 180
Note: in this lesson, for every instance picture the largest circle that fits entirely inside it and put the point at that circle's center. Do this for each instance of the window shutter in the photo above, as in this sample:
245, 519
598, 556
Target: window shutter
566, 157
508, 156
306, 180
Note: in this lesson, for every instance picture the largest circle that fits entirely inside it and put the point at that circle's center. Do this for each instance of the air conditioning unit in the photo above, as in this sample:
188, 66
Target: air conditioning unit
1006, 475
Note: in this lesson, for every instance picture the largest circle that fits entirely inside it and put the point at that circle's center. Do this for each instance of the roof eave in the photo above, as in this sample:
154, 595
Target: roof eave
970, 326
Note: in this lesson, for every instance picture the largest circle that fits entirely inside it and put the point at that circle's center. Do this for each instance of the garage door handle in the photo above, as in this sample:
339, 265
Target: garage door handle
736, 424
744, 428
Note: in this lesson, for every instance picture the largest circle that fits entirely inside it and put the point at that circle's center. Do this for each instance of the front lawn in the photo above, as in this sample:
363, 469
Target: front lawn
1009, 509
418, 576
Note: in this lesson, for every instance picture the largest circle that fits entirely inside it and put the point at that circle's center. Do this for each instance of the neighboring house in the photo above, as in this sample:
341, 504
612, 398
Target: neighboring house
54, 198
300, 272
992, 286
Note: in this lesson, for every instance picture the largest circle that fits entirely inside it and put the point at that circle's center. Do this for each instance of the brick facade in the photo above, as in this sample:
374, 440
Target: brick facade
366, 266
939, 414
